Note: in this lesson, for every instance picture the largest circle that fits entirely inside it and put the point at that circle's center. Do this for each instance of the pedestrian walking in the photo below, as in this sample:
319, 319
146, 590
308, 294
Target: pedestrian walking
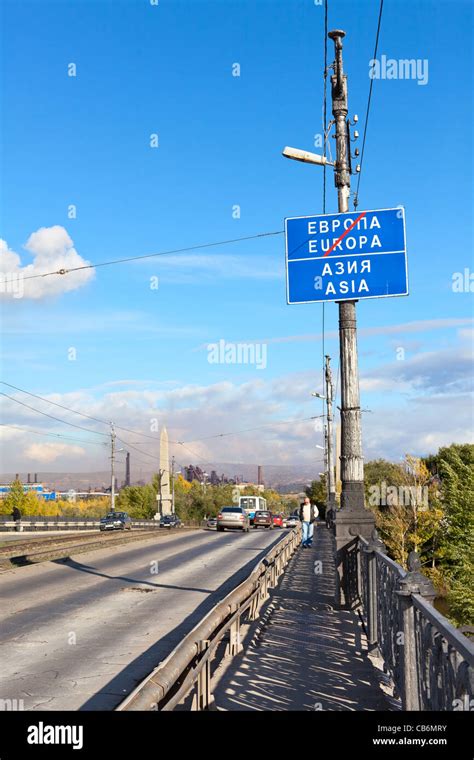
308, 514
16, 517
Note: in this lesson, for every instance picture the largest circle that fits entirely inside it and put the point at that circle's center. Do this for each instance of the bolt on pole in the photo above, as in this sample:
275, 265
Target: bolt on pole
352, 468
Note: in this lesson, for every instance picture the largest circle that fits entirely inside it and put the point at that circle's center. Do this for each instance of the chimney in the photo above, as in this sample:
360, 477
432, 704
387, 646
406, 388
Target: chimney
127, 469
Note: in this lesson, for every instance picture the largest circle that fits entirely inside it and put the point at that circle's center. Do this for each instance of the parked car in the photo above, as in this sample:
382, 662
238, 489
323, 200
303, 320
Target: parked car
170, 521
233, 517
263, 519
116, 521
211, 522
278, 521
292, 521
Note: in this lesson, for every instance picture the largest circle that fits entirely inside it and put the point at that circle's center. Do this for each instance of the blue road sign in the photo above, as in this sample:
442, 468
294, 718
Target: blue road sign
344, 257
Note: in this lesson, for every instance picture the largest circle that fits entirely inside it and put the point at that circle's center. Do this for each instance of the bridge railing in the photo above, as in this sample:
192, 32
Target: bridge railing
189, 664
430, 662
45, 523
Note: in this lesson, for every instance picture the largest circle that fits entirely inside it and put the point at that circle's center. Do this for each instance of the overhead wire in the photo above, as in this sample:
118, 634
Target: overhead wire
75, 411
54, 435
45, 414
356, 194
154, 255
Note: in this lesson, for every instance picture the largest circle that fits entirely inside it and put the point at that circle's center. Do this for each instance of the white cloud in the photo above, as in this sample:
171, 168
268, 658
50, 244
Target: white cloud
444, 371
52, 250
417, 405
50, 452
368, 384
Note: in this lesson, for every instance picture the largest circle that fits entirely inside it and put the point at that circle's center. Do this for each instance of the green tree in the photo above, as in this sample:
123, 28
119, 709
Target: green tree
16, 497
455, 467
317, 492
378, 472
139, 501
274, 500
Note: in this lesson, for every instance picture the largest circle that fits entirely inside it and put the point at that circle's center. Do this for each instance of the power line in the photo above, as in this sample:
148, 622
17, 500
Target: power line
356, 195
55, 403
131, 446
54, 435
57, 419
324, 169
136, 432
194, 454
75, 411
250, 430
153, 255
325, 98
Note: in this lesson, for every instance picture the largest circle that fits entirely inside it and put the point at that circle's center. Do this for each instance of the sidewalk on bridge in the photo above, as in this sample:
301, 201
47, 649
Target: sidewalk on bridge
306, 653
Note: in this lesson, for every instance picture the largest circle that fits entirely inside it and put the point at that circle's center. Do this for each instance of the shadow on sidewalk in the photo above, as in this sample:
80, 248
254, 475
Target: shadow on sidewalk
308, 655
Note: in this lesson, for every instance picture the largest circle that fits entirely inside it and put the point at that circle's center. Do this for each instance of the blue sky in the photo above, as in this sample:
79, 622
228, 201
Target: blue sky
141, 353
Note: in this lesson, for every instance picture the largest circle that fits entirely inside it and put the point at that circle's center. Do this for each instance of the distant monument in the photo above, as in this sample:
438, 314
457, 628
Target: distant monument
164, 495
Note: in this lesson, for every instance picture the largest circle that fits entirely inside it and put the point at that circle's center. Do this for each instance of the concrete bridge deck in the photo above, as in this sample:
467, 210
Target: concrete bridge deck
306, 655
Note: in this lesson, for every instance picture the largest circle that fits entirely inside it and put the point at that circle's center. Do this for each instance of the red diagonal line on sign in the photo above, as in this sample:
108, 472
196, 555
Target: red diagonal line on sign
345, 233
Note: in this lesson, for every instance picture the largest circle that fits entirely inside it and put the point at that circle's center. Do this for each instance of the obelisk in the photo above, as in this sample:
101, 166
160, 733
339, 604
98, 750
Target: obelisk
164, 501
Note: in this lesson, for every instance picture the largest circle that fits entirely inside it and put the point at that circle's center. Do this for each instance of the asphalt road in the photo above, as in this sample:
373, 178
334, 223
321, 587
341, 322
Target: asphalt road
79, 634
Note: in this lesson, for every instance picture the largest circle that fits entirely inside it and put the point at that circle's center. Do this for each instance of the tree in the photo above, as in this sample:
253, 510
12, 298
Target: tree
380, 474
407, 510
317, 492
139, 501
290, 506
274, 500
455, 467
16, 497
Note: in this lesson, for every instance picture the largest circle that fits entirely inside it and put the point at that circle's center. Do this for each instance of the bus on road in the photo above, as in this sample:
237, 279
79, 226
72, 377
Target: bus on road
251, 504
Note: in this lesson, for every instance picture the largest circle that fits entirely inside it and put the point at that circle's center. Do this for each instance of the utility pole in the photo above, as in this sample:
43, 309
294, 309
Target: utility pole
352, 467
326, 458
352, 518
112, 467
172, 485
331, 503
161, 472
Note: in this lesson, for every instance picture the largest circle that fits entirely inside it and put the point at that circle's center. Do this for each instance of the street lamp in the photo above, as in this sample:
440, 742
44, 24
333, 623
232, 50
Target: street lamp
306, 157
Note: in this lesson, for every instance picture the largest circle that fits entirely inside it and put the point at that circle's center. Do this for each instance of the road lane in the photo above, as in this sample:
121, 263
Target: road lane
82, 633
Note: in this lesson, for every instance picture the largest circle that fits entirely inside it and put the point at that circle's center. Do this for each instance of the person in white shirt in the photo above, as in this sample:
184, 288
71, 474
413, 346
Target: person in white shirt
308, 514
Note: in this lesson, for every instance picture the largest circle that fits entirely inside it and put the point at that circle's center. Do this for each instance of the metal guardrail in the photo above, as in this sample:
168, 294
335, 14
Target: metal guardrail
430, 662
26, 524
189, 664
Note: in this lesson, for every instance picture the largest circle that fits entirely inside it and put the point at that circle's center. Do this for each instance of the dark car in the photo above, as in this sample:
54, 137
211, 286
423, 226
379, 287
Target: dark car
116, 521
263, 519
170, 521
